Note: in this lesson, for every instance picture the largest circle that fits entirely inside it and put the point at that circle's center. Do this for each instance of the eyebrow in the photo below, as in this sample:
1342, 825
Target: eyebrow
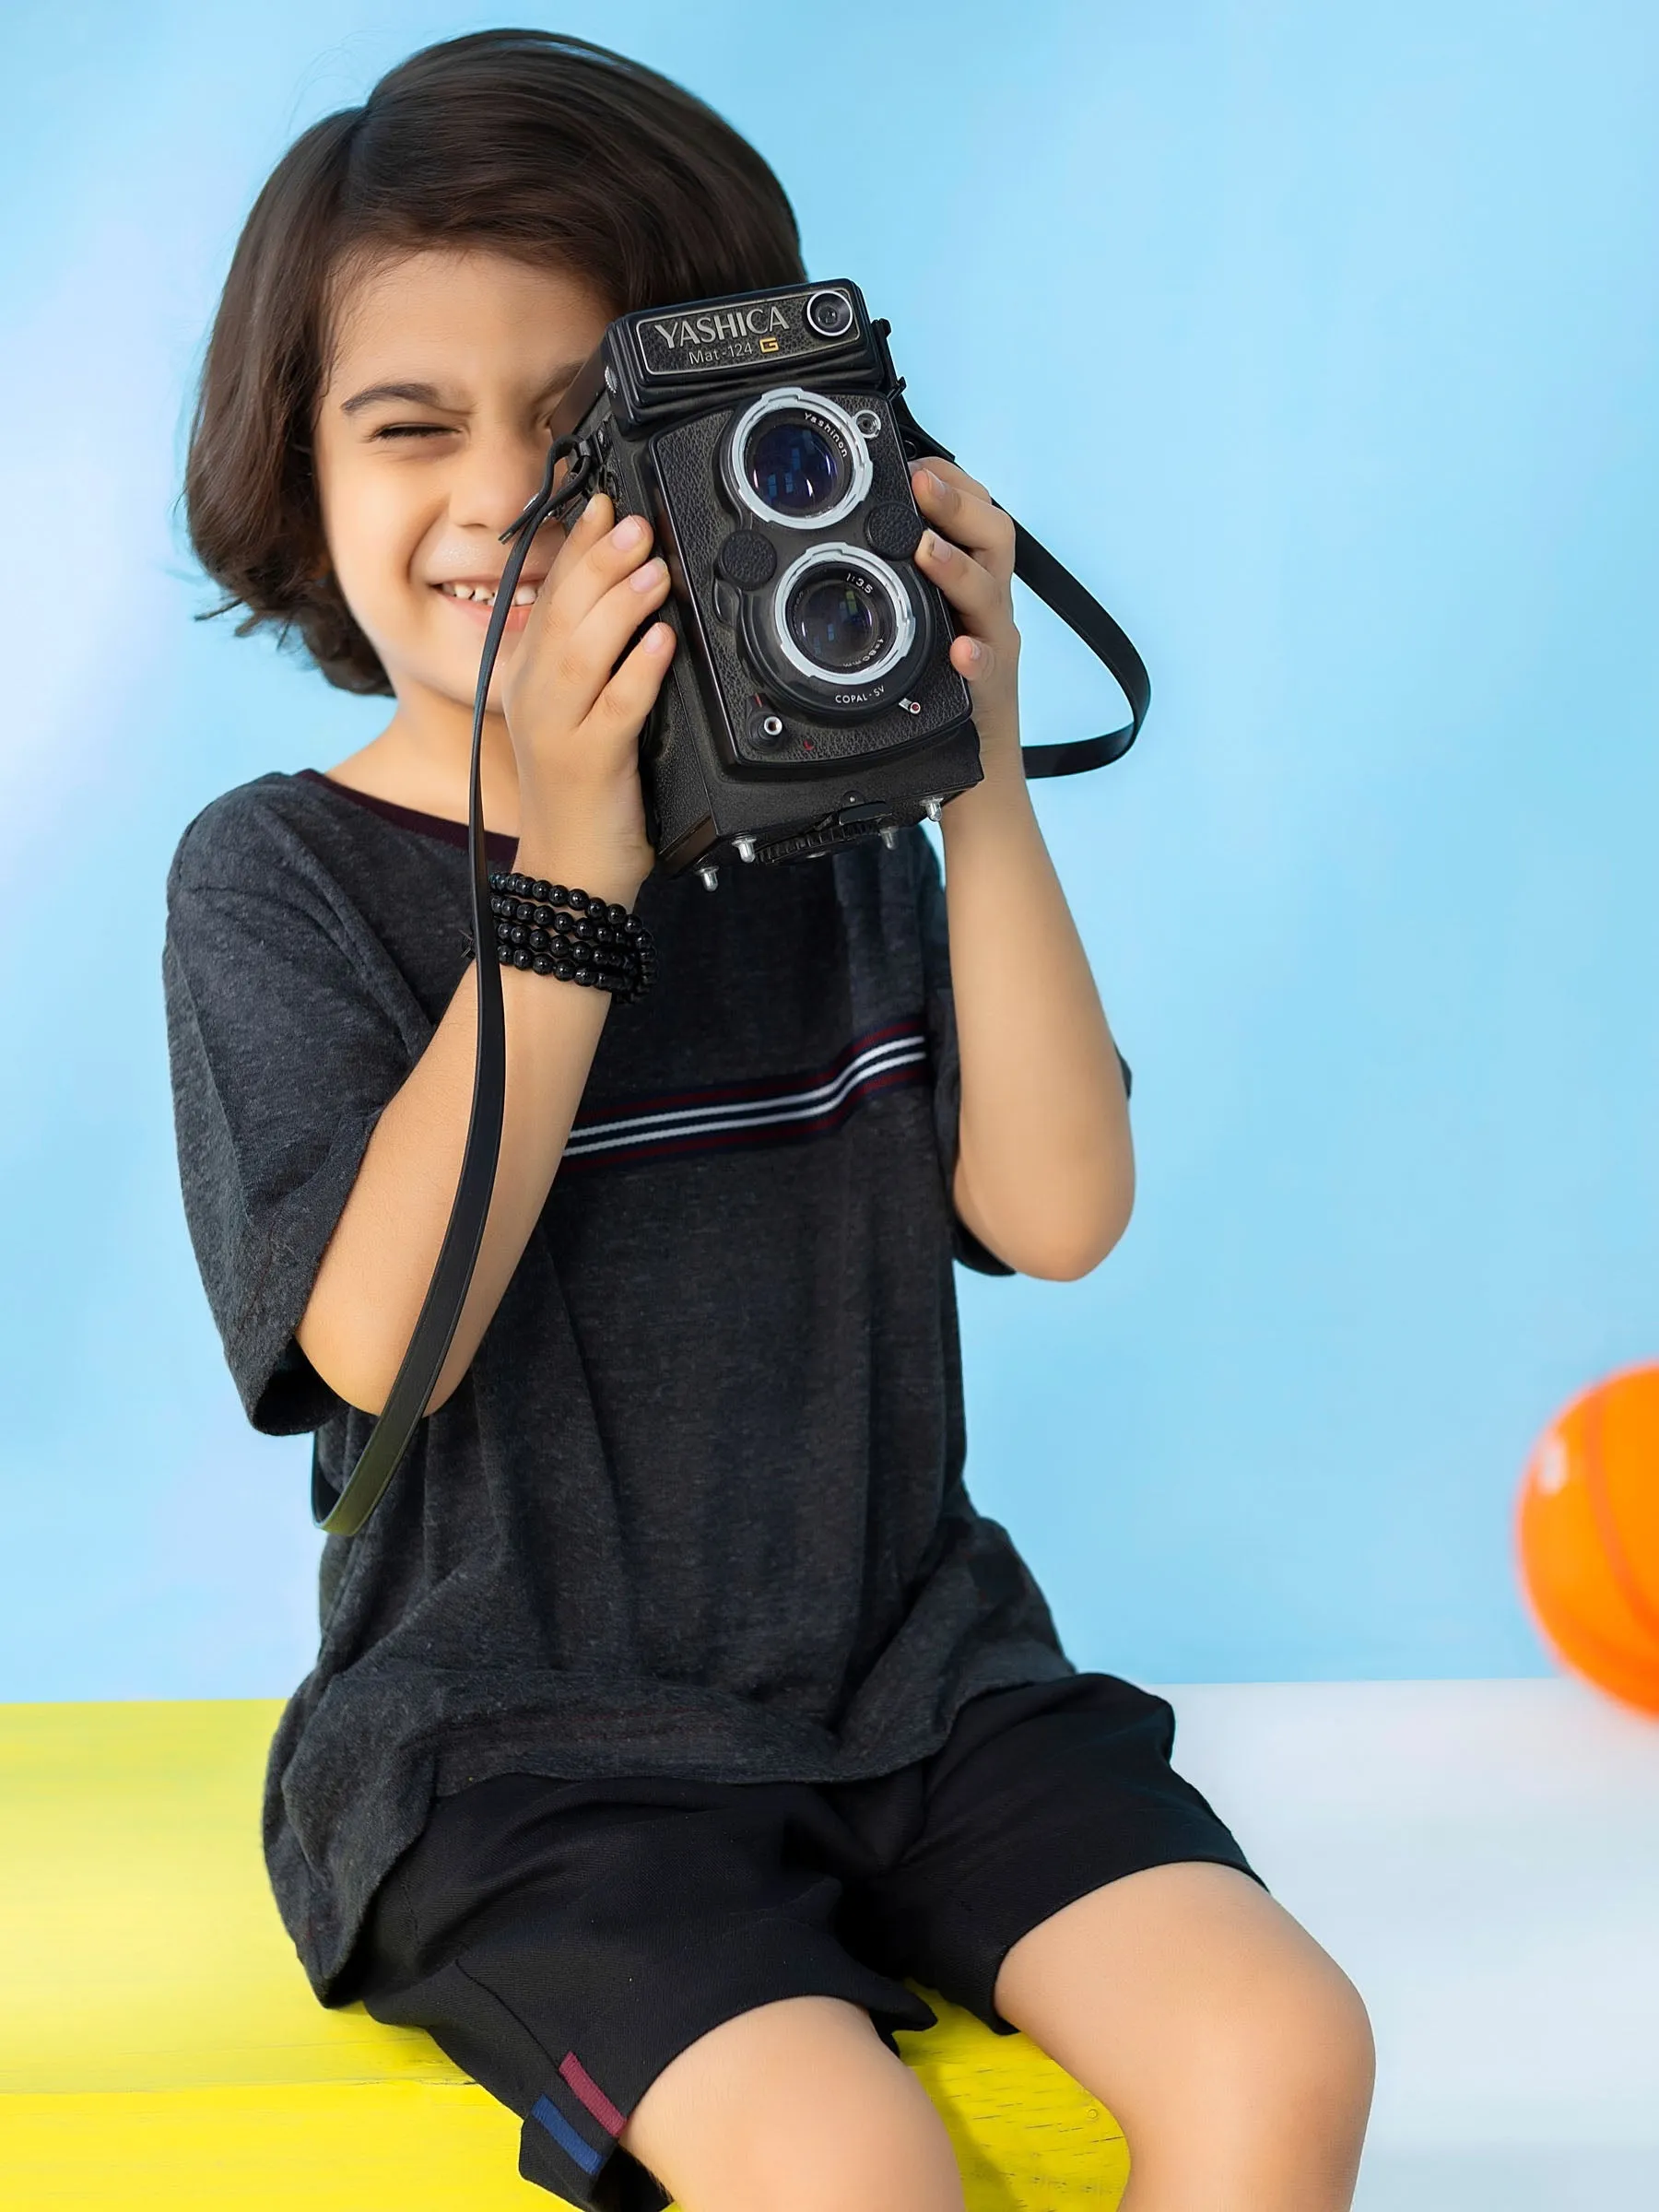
429, 396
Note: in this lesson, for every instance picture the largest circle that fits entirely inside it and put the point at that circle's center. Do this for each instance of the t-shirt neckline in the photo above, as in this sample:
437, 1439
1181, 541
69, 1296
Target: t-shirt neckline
500, 847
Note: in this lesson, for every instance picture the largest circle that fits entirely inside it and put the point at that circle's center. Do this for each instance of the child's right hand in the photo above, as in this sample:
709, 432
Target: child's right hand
575, 717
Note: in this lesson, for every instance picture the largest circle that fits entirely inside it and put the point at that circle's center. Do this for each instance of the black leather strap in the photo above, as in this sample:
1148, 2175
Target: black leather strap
1080, 609
406, 1401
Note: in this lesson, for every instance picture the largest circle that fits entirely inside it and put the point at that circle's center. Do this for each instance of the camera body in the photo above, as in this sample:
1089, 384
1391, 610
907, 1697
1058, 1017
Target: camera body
812, 701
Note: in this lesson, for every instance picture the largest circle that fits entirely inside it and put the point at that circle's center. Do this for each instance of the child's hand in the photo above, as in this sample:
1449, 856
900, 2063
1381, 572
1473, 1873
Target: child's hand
574, 723
968, 553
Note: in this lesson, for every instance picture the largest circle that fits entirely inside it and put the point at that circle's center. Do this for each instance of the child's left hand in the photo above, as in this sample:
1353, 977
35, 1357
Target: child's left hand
968, 553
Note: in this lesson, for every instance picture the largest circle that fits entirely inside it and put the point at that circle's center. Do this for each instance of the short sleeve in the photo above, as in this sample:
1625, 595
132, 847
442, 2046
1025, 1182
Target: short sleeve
946, 1055
286, 1043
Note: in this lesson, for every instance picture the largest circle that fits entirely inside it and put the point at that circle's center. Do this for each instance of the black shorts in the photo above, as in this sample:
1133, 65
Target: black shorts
562, 1941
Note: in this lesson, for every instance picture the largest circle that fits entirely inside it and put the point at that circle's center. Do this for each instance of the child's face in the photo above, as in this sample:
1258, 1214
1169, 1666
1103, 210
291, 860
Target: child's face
431, 436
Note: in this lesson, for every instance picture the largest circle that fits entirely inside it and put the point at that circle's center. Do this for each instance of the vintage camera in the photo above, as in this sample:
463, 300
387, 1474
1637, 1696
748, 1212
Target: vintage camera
812, 701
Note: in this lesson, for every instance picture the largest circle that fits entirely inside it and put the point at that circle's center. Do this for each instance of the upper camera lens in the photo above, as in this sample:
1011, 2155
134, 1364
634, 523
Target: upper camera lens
830, 313
794, 467
841, 618
797, 457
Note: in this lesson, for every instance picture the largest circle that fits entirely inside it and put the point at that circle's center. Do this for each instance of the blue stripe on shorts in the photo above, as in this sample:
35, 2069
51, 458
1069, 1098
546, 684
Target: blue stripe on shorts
565, 2135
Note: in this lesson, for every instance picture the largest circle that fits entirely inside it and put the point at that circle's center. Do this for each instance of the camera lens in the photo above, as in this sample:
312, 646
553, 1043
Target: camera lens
841, 619
794, 467
796, 456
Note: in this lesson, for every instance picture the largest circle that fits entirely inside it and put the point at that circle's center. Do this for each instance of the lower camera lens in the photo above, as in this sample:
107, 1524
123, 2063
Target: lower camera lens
794, 467
841, 618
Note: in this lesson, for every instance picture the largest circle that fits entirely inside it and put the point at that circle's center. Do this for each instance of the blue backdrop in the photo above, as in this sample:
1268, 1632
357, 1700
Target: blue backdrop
1322, 341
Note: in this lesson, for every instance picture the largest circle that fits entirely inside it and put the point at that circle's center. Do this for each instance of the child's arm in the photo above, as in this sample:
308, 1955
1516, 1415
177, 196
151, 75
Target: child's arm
575, 732
1045, 1170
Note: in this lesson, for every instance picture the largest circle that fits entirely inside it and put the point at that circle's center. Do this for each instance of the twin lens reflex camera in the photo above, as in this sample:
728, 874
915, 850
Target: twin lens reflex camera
765, 439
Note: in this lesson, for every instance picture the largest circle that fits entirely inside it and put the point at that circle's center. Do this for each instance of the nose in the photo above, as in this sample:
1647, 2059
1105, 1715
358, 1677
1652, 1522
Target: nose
497, 474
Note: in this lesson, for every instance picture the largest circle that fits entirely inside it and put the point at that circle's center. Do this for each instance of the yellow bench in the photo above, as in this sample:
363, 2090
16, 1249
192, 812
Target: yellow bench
160, 2045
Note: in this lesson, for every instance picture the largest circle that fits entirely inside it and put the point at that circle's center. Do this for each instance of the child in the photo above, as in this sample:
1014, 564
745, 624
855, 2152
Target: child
676, 1706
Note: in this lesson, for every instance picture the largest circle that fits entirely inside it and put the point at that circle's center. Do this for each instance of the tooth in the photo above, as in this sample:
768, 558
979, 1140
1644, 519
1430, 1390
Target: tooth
525, 596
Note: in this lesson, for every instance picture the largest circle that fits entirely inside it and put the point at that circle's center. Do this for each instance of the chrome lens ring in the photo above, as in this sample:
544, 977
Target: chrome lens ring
830, 313
791, 399
886, 578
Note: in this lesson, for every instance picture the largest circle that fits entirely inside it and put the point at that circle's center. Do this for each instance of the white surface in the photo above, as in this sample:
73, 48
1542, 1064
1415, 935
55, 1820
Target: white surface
1581, 2178
1483, 1859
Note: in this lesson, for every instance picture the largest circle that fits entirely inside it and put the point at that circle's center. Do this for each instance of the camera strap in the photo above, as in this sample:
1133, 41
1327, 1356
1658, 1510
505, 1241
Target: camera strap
344, 1512
1078, 609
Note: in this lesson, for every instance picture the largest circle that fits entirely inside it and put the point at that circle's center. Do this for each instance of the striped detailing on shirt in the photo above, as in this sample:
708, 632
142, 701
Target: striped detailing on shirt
727, 1118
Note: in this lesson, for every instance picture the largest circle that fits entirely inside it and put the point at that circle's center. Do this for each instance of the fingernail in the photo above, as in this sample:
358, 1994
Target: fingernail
926, 479
649, 577
976, 651
630, 531
660, 638
936, 547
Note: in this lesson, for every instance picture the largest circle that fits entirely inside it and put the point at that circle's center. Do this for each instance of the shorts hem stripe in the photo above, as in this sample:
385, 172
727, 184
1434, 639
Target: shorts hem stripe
581, 2084
583, 2154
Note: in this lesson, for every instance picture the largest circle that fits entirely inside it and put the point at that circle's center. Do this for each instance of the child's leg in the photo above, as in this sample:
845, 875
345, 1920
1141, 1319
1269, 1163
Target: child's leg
1237, 2055
795, 2107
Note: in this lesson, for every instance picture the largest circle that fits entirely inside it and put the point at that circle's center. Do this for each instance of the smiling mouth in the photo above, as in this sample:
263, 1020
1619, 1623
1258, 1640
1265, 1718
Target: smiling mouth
484, 595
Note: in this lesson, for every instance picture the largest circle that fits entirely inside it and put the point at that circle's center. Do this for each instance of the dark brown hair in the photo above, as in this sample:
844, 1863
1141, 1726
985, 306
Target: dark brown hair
542, 147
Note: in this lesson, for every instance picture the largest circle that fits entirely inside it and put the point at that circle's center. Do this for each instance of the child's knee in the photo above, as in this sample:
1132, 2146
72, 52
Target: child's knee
798, 2103
1299, 2049
883, 2153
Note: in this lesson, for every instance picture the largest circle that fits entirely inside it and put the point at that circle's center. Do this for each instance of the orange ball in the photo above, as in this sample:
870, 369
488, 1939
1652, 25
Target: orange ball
1588, 1527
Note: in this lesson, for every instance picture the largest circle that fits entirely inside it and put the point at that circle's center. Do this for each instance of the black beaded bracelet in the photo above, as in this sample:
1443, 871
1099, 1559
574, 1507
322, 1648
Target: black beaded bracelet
571, 935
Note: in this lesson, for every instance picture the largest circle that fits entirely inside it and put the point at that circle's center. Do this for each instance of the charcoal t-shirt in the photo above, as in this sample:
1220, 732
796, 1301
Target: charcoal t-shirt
696, 1509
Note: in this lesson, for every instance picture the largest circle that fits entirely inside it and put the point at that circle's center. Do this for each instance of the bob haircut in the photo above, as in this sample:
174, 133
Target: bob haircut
556, 152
